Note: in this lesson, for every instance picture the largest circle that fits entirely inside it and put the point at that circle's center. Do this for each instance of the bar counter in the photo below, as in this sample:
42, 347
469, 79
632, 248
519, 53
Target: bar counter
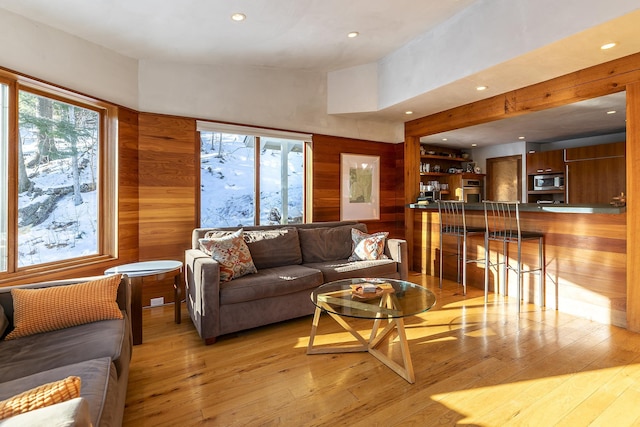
543, 207
585, 255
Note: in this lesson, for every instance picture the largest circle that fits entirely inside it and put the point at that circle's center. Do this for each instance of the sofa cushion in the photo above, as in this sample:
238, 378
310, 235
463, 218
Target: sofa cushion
343, 269
327, 243
57, 307
232, 254
270, 282
99, 381
36, 353
274, 248
367, 246
41, 396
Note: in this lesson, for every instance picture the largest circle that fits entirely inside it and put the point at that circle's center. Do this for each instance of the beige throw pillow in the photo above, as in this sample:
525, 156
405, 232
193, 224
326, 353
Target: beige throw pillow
232, 254
367, 246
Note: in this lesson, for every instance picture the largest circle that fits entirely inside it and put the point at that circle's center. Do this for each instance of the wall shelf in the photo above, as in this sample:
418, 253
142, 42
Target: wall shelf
453, 159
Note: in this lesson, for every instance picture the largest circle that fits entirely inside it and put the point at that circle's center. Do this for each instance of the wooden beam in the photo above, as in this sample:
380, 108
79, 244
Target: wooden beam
633, 206
599, 80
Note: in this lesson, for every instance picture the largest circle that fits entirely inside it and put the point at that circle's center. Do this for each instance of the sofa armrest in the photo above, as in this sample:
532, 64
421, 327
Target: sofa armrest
397, 250
74, 412
124, 295
202, 280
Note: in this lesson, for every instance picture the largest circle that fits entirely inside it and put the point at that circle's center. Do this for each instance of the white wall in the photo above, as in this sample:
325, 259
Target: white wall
510, 29
65, 60
353, 89
288, 99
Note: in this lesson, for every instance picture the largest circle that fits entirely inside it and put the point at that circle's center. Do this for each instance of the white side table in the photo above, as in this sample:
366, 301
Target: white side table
158, 270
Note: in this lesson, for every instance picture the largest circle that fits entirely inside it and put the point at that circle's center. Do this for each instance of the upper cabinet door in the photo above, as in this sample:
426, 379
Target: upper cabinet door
542, 162
602, 151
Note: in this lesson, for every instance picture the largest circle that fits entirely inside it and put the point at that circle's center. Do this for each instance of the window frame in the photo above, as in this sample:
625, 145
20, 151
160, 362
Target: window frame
107, 177
258, 133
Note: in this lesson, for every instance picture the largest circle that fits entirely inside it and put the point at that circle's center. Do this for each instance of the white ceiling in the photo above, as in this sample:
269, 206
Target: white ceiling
312, 35
298, 34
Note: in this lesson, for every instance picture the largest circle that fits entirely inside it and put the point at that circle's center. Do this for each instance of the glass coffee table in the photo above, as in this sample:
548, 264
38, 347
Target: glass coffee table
374, 299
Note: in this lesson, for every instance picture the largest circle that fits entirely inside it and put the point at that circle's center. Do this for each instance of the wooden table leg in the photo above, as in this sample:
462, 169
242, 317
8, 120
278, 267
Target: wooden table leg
177, 297
136, 309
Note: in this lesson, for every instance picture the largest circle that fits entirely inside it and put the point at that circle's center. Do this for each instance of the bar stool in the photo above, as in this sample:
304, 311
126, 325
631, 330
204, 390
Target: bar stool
502, 220
453, 222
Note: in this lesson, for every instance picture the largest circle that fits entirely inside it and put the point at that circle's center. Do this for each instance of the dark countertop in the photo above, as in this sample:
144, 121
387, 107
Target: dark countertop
534, 207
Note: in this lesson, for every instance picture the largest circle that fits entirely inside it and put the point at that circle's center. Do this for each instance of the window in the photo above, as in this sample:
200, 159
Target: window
239, 163
57, 180
54, 204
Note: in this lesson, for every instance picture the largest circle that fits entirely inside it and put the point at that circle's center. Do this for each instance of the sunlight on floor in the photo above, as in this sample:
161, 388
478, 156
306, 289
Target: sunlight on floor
545, 399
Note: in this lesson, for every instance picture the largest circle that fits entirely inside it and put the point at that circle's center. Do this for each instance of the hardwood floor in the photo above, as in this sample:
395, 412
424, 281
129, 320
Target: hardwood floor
474, 365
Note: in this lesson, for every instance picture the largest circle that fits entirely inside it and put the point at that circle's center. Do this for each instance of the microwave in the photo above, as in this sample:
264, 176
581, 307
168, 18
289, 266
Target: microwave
548, 182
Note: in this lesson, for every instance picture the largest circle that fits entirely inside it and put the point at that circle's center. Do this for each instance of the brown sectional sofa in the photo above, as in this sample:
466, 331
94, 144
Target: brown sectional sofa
291, 261
99, 353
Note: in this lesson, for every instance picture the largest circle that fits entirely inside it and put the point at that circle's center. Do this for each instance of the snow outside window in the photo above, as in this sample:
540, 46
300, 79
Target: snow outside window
229, 188
57, 180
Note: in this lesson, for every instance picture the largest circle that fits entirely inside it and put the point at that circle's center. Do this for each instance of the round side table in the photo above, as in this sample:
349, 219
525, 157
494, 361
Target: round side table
158, 270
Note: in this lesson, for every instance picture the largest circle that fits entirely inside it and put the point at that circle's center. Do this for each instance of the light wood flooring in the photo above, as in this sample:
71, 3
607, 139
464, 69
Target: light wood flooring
475, 365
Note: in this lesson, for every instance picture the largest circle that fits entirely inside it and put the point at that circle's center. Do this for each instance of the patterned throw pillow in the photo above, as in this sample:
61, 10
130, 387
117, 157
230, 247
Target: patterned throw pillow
58, 307
367, 246
39, 397
232, 254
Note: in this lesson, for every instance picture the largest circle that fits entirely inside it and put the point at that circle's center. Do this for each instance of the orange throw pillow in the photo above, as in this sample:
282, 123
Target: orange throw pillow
39, 397
57, 307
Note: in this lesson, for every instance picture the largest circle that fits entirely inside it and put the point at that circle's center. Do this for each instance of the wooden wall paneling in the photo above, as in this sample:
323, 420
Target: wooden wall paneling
326, 180
633, 206
167, 198
128, 215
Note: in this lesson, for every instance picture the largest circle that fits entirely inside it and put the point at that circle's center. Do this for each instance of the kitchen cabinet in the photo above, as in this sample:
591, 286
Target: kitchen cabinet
601, 151
545, 162
595, 174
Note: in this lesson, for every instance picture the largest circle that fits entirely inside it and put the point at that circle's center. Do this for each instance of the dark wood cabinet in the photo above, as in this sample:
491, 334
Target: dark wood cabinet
596, 173
544, 162
601, 151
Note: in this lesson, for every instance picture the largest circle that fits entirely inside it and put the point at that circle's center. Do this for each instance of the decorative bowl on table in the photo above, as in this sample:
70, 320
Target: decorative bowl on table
365, 290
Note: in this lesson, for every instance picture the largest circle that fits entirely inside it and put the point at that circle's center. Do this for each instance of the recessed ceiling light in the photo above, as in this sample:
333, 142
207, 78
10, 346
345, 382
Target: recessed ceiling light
353, 34
608, 45
238, 17
474, 145
408, 112
521, 137
611, 112
482, 87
